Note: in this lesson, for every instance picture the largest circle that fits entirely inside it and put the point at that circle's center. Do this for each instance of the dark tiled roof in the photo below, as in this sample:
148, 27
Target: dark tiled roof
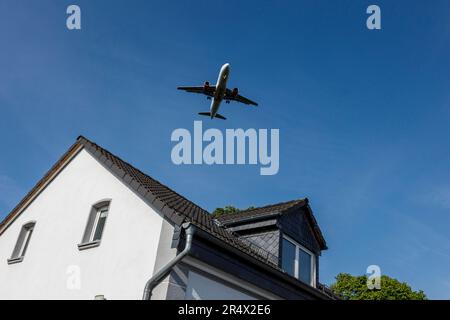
260, 211
275, 209
173, 205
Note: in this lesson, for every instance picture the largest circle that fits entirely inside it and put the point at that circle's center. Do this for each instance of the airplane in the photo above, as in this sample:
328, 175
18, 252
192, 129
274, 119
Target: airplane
218, 93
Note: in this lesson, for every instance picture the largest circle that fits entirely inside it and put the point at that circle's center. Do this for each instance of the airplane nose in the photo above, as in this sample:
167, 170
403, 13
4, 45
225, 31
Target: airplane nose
226, 66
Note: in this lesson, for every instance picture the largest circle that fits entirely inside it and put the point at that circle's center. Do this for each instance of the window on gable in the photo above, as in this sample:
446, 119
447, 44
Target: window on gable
95, 225
298, 261
100, 219
22, 243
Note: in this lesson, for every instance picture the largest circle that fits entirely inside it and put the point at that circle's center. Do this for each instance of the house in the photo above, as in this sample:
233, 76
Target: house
96, 227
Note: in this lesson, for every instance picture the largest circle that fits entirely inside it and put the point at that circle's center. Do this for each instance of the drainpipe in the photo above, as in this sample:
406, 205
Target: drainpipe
161, 274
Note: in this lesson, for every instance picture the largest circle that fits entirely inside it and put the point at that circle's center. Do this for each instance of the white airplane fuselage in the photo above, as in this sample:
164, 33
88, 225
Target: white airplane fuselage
221, 87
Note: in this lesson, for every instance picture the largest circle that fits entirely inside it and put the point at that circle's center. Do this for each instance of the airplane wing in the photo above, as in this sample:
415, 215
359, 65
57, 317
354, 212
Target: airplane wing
206, 90
237, 97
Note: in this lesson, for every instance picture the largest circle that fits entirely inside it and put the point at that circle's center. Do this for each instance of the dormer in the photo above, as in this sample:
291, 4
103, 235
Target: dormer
287, 233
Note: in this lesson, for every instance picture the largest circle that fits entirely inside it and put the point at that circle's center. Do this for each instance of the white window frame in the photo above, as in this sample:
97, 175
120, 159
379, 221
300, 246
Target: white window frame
22, 242
296, 264
92, 224
97, 219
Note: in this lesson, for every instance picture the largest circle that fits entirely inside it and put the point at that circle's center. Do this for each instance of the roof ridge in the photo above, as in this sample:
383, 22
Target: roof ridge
139, 171
190, 206
189, 210
272, 205
241, 214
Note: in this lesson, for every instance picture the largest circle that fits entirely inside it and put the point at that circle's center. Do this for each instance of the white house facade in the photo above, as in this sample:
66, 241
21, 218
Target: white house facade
96, 227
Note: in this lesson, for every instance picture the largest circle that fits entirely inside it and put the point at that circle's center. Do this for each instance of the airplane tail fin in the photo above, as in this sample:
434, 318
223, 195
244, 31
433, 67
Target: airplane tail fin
208, 114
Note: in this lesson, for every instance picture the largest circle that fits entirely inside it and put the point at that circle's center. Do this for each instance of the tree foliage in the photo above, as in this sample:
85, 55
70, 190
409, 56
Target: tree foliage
227, 210
350, 287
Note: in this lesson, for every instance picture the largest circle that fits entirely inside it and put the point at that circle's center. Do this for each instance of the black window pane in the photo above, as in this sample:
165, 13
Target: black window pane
304, 266
288, 257
19, 244
100, 225
22, 242
25, 246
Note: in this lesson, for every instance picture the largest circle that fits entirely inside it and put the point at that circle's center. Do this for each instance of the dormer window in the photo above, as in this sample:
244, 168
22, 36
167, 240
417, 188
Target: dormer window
298, 261
95, 225
22, 243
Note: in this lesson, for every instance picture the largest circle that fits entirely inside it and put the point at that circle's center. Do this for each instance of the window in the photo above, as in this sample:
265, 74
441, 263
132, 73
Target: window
288, 256
102, 214
298, 261
22, 243
95, 226
305, 262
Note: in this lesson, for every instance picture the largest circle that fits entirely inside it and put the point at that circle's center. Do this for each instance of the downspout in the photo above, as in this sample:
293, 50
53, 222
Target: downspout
161, 274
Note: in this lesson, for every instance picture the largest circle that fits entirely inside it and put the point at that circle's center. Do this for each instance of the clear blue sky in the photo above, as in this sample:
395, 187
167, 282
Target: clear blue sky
363, 115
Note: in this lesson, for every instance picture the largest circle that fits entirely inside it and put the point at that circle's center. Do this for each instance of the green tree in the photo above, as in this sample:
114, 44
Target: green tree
227, 210
350, 287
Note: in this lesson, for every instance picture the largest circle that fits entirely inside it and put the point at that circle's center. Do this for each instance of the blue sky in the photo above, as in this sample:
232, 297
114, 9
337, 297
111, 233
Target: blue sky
363, 115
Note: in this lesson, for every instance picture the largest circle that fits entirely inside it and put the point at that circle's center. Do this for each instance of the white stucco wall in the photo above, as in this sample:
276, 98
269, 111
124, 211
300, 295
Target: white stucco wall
117, 269
204, 288
205, 282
